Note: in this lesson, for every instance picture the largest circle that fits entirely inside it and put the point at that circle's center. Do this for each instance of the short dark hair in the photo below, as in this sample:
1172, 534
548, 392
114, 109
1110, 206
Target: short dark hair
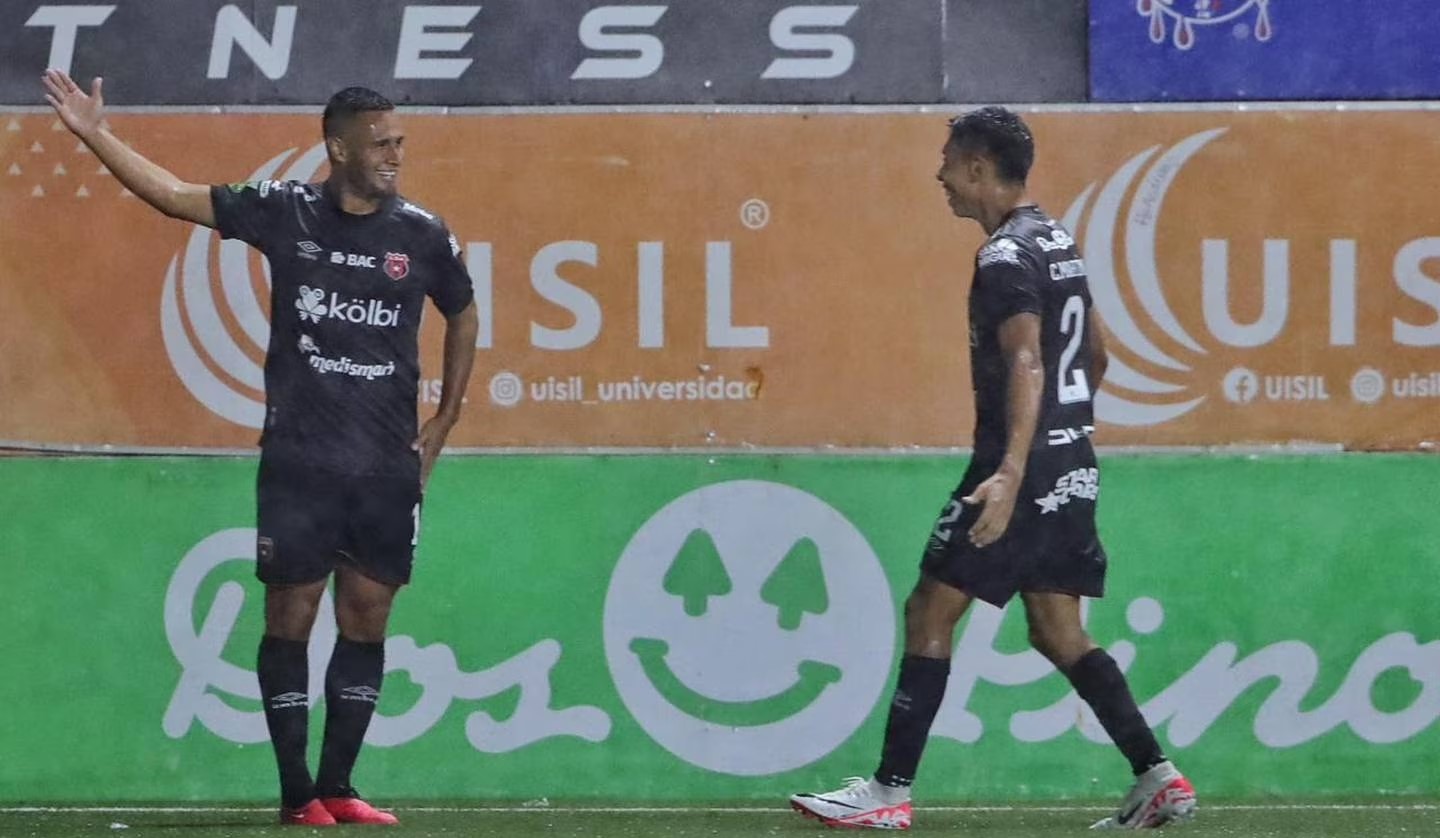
346, 104
1000, 134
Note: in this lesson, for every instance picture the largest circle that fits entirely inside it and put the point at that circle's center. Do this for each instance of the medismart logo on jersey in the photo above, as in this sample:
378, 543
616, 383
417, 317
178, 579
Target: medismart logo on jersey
1159, 362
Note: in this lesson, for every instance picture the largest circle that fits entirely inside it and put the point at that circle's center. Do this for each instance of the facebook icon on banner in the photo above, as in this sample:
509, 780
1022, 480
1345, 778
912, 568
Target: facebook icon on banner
1199, 50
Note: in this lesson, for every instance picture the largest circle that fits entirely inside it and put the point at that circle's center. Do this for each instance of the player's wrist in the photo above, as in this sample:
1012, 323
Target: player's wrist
1011, 467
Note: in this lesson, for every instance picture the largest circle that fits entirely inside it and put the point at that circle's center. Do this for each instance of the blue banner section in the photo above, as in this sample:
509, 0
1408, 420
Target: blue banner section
1197, 50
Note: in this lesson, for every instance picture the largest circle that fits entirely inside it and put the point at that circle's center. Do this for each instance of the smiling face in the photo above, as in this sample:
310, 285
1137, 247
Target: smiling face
366, 154
963, 175
742, 618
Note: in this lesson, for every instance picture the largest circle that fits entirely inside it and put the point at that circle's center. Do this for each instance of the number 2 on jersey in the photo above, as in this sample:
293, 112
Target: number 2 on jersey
1073, 385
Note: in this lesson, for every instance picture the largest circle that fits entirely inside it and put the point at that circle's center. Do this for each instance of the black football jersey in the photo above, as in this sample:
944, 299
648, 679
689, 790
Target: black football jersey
1030, 264
346, 296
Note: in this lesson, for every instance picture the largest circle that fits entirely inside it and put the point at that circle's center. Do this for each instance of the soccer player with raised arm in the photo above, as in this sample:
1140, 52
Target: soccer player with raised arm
1023, 517
342, 463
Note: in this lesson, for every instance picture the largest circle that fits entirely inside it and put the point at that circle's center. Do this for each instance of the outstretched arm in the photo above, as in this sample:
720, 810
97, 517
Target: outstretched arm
82, 113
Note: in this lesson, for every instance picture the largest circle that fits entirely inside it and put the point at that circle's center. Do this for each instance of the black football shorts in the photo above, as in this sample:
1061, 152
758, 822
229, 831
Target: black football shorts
310, 519
1051, 544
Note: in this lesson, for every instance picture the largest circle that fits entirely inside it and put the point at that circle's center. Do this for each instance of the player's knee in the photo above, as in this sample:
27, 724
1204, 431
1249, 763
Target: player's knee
1062, 647
290, 611
363, 619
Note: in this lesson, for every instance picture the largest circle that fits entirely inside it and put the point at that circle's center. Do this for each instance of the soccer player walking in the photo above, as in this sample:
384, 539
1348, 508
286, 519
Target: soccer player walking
342, 462
1023, 517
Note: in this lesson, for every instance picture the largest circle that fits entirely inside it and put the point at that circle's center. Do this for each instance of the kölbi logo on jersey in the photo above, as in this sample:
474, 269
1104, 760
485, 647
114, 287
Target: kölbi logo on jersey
224, 373
312, 306
1152, 380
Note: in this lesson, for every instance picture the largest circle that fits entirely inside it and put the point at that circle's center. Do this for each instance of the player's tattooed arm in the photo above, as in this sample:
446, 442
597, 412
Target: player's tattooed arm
1099, 358
460, 331
84, 115
1024, 386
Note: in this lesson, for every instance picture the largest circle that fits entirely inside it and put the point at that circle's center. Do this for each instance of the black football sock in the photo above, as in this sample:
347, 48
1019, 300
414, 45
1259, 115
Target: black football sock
1098, 680
919, 690
352, 689
284, 672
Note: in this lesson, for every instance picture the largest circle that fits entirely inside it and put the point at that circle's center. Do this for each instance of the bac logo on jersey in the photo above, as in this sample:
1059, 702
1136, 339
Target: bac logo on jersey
397, 265
351, 260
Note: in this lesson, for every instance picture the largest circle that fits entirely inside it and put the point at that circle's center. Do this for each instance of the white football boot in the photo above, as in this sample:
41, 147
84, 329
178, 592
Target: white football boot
860, 803
1159, 797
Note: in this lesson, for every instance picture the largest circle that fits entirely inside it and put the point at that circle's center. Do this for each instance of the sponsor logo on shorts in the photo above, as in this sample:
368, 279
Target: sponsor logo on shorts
264, 549
1079, 483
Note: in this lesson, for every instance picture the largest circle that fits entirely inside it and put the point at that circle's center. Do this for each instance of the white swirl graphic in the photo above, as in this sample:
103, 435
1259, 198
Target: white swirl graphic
1142, 219
194, 332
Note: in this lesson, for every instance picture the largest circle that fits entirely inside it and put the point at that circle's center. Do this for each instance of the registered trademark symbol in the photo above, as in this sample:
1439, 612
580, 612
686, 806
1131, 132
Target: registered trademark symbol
755, 213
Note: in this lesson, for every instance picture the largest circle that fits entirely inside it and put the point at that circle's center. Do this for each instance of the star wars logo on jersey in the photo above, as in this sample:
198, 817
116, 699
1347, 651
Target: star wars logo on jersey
582, 261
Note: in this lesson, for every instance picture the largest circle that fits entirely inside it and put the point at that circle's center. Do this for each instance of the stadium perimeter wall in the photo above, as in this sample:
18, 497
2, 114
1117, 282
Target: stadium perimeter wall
700, 624
774, 279
692, 628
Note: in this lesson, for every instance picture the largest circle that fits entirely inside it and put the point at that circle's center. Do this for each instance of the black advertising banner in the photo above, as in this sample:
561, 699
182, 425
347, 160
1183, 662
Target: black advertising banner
1016, 50
537, 52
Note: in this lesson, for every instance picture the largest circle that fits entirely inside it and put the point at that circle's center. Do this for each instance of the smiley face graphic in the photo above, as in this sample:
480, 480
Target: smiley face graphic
749, 628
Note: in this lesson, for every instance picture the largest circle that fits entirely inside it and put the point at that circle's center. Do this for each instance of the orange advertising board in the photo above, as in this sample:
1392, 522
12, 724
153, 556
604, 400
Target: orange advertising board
776, 280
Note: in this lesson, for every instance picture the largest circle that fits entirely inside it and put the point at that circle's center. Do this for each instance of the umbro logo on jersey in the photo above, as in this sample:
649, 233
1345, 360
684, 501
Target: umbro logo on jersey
308, 250
313, 307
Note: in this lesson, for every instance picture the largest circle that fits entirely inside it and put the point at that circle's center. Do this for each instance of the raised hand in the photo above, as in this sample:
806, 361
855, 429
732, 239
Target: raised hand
80, 112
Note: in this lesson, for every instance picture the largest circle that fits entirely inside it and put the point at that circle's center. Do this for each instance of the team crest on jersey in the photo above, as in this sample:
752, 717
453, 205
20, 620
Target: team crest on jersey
397, 265
1188, 14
